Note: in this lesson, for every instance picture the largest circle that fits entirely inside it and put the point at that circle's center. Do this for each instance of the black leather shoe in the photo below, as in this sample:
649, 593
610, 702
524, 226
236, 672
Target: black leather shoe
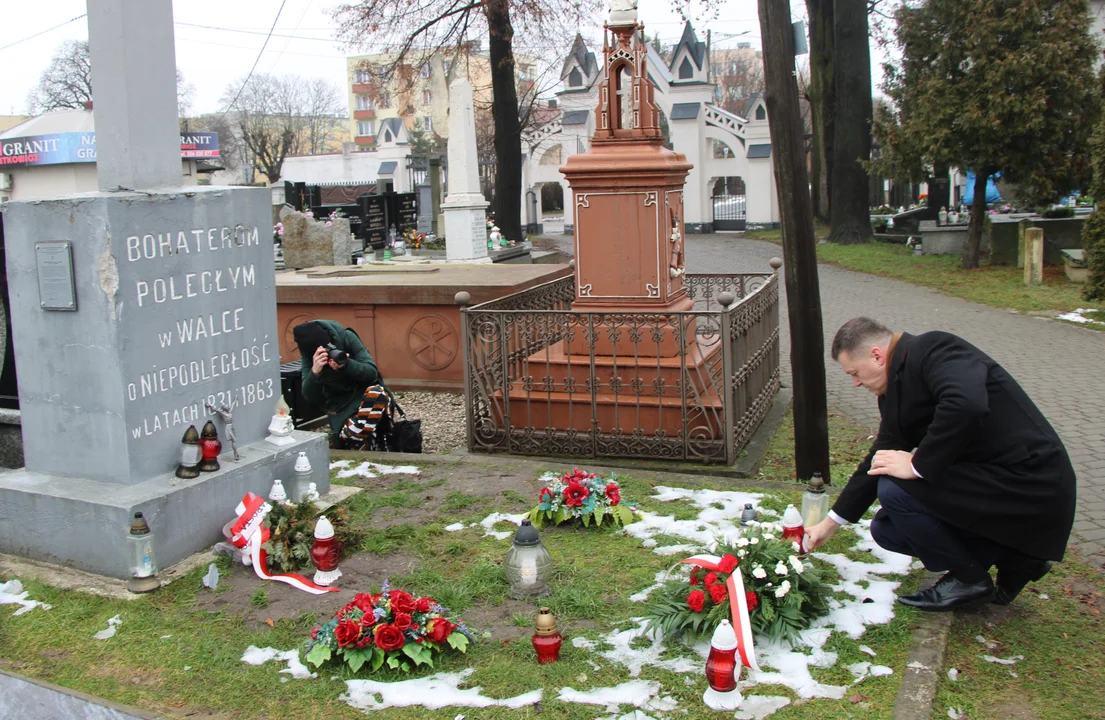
949, 593
1012, 579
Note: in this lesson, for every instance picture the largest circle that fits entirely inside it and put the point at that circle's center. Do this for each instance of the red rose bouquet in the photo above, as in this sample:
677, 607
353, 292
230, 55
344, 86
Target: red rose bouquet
783, 594
582, 496
393, 627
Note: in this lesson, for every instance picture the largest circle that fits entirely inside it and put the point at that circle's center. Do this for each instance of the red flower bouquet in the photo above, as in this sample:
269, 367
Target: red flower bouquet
393, 627
582, 496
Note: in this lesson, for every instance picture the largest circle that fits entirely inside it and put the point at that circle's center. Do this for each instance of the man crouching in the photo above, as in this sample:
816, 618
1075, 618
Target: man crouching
968, 472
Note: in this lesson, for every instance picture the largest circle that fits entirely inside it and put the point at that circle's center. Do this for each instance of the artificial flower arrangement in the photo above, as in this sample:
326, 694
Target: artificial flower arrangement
392, 627
292, 533
587, 497
413, 238
783, 593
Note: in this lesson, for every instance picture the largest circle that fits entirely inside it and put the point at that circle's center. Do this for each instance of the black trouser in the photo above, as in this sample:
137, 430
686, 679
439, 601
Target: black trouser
904, 525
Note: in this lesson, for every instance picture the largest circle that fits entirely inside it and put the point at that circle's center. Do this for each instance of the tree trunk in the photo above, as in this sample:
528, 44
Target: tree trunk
508, 128
849, 210
978, 218
807, 340
821, 102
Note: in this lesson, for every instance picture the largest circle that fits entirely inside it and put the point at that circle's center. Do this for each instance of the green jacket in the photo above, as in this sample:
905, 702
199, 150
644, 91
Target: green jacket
339, 392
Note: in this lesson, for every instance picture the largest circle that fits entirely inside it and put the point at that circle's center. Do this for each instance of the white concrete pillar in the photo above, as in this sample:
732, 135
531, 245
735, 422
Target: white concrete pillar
133, 60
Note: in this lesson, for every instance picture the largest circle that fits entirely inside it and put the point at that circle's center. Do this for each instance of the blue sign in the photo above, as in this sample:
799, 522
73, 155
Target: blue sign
80, 147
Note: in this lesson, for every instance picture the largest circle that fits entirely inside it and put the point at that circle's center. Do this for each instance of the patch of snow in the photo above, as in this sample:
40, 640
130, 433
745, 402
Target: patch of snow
259, 656
581, 642
109, 631
955, 713
983, 641
953, 674
757, 707
1044, 596
865, 649
488, 524
917, 666
863, 670
12, 593
638, 693
683, 571
434, 692
455, 527
686, 550
1078, 316
371, 469
637, 658
1002, 661
166, 637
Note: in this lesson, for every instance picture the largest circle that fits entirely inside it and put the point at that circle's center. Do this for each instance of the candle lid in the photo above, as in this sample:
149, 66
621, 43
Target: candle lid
302, 464
546, 622
792, 518
724, 638
323, 529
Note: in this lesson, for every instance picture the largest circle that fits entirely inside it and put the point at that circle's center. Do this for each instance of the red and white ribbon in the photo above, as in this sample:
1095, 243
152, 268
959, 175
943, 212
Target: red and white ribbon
247, 532
738, 604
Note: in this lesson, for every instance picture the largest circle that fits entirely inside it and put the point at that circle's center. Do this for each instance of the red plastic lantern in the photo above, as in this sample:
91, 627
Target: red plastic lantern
325, 553
722, 667
792, 526
547, 641
210, 447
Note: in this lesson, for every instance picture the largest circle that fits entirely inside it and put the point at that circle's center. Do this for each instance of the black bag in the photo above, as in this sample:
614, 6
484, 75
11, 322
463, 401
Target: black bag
399, 435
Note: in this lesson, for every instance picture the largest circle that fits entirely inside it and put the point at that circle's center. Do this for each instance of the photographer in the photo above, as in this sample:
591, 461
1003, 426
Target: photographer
340, 376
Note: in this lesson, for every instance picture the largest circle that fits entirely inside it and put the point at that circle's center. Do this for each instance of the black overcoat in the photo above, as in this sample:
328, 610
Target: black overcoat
989, 461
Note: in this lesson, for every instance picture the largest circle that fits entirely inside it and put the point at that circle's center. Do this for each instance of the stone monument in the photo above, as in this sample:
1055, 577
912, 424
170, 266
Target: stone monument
132, 308
312, 243
465, 208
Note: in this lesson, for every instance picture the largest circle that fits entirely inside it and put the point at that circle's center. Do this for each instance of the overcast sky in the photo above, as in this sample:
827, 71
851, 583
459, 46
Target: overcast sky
224, 49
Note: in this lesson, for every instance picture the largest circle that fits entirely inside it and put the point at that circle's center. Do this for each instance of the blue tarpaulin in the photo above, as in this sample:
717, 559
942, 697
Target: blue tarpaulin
992, 194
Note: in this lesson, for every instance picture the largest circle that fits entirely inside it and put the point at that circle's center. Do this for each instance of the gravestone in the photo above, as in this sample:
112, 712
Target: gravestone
132, 307
312, 243
375, 225
465, 208
425, 223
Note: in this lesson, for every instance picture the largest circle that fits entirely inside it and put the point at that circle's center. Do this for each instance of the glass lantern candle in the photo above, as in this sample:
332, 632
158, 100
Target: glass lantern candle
190, 455
528, 564
143, 566
546, 639
211, 447
815, 502
792, 526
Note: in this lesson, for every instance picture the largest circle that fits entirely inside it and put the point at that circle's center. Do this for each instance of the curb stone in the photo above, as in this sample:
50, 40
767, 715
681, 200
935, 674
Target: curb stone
31, 699
924, 663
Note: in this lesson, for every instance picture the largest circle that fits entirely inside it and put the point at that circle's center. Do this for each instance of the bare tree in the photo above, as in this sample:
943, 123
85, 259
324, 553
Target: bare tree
323, 110
66, 82
281, 116
417, 31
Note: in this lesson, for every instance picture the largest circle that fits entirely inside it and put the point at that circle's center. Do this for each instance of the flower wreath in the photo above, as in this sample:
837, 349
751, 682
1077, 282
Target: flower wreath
587, 497
392, 627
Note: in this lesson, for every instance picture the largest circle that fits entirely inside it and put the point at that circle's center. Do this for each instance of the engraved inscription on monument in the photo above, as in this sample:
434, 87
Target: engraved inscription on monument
56, 289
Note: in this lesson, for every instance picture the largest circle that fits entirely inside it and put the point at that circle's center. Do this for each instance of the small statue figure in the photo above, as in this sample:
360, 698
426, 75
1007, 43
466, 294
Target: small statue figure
223, 411
312, 492
495, 237
623, 12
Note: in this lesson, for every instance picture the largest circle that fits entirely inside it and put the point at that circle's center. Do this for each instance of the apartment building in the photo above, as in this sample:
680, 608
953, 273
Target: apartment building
417, 91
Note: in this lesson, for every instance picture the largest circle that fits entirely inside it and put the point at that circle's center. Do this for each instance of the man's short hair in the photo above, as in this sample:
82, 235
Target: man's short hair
858, 334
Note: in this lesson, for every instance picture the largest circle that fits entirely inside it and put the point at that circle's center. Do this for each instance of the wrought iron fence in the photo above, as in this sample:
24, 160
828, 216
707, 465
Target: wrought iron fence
541, 379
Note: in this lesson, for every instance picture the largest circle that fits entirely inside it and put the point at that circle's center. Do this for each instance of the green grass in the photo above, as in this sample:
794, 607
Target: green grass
595, 572
1062, 639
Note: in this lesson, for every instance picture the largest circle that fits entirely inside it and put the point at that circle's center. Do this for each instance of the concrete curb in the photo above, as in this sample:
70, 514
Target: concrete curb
32, 699
924, 663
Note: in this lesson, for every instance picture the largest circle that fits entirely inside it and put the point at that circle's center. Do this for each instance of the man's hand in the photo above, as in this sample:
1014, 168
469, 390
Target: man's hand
895, 463
320, 360
820, 534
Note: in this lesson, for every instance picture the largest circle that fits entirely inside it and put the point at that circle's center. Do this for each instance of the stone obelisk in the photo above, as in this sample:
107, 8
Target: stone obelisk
465, 208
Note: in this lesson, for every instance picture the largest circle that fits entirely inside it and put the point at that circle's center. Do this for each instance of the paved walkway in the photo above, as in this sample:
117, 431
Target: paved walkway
1062, 367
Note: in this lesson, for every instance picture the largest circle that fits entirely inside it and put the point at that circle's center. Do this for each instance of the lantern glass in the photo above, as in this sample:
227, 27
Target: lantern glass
143, 564
527, 570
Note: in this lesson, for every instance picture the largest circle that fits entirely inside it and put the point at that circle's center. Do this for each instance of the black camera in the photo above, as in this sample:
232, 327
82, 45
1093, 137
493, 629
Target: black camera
336, 354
